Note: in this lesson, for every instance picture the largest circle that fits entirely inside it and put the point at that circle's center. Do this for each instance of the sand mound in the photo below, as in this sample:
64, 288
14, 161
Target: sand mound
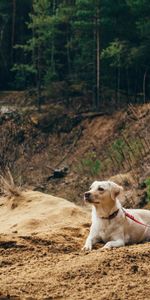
35, 212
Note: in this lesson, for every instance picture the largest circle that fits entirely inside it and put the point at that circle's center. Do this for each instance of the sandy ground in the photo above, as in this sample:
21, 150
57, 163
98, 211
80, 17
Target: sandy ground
40, 255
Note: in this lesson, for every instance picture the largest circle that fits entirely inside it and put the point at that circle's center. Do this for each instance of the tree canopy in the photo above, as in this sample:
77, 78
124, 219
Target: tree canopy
87, 46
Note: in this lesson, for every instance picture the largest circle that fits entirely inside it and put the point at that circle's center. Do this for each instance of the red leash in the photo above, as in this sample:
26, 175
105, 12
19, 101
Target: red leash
134, 219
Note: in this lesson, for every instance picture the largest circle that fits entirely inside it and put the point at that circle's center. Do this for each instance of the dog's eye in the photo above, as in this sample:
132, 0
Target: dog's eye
100, 189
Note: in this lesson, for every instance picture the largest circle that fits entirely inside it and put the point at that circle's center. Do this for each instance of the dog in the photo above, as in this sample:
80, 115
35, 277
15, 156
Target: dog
110, 221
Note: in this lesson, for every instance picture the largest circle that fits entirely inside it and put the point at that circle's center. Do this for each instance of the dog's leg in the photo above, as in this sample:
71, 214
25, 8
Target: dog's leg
89, 243
91, 239
114, 244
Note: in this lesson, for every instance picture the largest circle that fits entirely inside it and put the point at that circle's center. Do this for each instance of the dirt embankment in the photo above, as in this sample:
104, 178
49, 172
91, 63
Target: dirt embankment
90, 145
41, 258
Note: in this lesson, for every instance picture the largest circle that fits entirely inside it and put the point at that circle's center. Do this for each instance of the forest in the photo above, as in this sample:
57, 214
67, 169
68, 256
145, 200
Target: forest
97, 49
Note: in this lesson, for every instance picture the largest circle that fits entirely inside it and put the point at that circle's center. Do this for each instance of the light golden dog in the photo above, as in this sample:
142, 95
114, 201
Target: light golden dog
110, 223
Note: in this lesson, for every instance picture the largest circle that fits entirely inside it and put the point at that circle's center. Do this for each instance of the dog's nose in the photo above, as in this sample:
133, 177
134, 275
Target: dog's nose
87, 195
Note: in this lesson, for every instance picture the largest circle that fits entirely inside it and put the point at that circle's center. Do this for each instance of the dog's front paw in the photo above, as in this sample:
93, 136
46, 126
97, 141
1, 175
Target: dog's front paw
107, 246
87, 247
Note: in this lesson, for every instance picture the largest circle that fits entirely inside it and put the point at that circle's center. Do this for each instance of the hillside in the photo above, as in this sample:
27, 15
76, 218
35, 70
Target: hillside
88, 145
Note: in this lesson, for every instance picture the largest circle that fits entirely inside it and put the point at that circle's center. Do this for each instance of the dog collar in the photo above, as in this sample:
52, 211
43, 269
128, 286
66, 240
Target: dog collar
112, 216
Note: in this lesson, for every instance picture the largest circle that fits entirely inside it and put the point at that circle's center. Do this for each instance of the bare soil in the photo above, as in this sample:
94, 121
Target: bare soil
38, 268
41, 257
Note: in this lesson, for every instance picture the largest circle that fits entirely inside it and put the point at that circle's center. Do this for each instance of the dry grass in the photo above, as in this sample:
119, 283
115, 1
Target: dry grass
7, 186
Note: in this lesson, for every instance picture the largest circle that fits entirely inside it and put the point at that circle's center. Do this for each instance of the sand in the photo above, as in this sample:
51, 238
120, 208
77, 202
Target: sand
40, 255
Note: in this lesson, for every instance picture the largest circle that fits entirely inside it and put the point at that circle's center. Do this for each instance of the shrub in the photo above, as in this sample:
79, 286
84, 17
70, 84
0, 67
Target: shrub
147, 182
90, 165
118, 146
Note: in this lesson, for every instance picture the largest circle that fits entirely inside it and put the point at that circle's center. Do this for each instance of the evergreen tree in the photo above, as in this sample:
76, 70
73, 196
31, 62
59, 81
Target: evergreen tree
89, 46
13, 16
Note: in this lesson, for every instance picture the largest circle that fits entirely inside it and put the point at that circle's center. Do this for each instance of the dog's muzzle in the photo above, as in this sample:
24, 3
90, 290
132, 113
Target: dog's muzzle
87, 197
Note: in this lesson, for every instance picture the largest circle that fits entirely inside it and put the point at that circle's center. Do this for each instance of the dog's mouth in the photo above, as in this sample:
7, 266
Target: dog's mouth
89, 200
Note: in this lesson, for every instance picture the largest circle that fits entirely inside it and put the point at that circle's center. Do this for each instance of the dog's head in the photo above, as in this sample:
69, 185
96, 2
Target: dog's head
102, 191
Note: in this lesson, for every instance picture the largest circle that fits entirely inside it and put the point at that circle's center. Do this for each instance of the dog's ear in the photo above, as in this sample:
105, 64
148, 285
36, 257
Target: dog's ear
115, 191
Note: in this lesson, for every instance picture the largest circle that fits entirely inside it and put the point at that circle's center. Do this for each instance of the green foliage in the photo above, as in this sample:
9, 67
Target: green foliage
123, 154
147, 182
23, 75
54, 41
127, 151
90, 165
136, 146
118, 148
117, 53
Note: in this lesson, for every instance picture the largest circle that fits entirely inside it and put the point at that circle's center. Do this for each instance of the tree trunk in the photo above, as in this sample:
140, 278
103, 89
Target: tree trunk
13, 29
53, 46
136, 84
118, 82
68, 55
97, 59
39, 76
94, 66
144, 86
128, 85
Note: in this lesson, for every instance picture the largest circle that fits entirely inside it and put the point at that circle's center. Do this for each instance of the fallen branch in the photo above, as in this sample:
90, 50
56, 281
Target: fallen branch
91, 115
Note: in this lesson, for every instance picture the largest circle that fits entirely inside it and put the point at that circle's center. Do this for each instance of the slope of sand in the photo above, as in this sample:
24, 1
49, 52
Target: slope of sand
40, 255
35, 212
